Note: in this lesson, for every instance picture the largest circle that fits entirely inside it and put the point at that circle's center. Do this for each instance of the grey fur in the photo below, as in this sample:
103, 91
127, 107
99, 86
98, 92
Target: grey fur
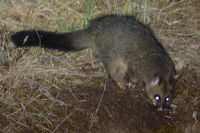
128, 49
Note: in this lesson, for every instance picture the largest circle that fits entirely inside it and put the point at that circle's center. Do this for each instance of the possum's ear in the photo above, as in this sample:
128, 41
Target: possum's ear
176, 77
155, 81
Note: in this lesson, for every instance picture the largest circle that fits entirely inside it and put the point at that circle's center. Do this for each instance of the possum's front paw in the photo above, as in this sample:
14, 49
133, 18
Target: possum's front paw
125, 86
131, 85
122, 85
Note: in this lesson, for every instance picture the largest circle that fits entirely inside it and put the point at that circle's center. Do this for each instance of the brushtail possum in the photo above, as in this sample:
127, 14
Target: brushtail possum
127, 47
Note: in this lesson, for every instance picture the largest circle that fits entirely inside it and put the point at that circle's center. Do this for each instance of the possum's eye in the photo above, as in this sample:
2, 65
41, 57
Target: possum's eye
167, 99
157, 97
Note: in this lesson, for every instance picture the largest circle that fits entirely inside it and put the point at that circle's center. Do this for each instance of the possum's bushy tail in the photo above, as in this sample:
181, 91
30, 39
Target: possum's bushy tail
61, 41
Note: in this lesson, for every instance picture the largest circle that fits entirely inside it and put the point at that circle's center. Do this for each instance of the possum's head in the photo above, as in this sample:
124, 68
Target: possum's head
160, 91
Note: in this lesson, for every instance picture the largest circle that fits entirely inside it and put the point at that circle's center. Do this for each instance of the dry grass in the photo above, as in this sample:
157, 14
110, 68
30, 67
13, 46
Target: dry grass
43, 92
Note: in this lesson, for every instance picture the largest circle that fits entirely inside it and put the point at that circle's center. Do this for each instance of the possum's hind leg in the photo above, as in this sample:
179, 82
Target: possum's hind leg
118, 70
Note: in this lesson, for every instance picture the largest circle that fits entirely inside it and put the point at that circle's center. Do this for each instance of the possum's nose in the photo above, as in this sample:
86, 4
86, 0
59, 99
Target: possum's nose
164, 108
160, 108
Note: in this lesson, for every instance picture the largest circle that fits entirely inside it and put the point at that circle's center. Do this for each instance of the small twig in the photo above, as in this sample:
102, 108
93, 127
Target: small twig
61, 122
16, 122
109, 114
39, 37
50, 97
70, 90
163, 23
100, 101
